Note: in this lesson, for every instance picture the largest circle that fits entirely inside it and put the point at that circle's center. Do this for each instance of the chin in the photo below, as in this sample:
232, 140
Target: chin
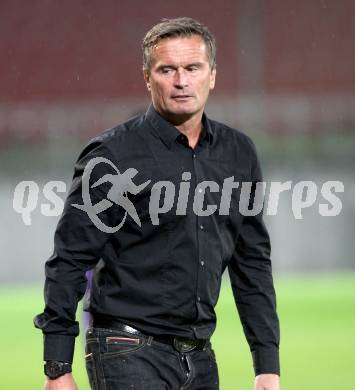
182, 109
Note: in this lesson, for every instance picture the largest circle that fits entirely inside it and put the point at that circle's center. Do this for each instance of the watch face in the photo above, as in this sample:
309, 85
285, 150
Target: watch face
52, 369
55, 369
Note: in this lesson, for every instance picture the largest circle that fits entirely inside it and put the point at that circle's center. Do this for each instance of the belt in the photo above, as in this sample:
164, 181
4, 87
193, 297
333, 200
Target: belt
181, 344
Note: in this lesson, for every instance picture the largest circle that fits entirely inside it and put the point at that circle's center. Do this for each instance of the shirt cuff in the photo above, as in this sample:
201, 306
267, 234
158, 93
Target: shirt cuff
266, 361
58, 347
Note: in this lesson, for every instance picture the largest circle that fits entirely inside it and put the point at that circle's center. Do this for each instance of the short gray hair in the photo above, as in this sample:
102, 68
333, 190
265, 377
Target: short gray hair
179, 27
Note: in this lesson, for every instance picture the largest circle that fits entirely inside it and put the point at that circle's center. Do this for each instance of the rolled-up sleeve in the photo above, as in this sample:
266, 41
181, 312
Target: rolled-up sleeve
251, 279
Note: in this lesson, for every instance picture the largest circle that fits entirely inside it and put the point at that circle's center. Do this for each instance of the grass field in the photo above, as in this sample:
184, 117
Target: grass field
317, 315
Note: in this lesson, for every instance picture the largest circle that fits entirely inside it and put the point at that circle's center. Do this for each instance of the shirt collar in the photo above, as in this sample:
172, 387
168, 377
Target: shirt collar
168, 133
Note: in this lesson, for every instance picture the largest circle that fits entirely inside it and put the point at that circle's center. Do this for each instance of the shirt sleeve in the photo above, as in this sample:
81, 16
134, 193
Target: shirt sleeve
78, 246
252, 284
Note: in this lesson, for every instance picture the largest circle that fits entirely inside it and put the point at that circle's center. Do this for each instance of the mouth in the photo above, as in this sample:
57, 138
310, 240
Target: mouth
181, 97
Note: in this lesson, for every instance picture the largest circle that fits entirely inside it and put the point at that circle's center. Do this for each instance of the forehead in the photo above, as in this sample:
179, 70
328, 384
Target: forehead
180, 50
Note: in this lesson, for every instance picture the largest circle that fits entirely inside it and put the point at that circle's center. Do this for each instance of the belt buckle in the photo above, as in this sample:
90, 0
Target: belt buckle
184, 345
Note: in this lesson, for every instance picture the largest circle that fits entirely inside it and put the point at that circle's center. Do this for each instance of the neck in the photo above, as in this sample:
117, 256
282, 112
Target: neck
191, 126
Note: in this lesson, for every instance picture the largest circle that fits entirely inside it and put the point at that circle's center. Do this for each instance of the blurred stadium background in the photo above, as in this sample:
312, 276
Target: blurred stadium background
285, 76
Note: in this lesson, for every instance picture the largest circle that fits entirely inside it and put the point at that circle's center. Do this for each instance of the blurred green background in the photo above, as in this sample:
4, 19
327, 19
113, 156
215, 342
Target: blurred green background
317, 314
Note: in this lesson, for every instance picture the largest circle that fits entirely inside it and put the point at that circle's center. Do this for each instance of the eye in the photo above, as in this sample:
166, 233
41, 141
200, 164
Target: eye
166, 70
192, 68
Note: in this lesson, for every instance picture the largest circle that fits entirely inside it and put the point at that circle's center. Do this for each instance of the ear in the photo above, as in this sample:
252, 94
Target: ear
213, 78
146, 76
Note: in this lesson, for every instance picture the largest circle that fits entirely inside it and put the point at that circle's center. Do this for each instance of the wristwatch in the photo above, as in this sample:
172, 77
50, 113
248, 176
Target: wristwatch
54, 369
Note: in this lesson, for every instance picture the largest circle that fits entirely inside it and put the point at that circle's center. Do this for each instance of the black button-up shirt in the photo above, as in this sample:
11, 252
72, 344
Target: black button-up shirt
164, 276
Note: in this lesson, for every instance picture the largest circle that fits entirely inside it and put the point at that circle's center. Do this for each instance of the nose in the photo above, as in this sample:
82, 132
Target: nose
180, 80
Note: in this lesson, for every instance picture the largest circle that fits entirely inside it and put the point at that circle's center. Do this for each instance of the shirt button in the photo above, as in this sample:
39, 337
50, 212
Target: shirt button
200, 190
202, 263
194, 155
201, 227
198, 299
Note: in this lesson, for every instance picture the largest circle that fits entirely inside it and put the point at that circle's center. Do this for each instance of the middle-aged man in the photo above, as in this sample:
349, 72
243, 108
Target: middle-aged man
155, 207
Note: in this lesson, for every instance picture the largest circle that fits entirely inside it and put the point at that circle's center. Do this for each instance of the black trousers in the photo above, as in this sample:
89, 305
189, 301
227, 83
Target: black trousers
117, 360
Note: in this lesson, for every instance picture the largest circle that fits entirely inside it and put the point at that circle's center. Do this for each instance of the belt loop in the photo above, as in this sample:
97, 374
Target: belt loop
150, 339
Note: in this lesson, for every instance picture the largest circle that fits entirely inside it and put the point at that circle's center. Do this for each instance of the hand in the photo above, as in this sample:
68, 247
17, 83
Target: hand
64, 382
267, 382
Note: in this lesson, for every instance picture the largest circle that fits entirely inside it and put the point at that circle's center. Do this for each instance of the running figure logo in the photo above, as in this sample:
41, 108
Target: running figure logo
122, 184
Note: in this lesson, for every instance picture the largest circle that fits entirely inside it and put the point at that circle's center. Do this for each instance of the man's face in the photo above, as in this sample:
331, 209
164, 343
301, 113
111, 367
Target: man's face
180, 77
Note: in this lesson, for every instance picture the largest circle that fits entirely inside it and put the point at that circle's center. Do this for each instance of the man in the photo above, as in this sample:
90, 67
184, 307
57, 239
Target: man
159, 259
